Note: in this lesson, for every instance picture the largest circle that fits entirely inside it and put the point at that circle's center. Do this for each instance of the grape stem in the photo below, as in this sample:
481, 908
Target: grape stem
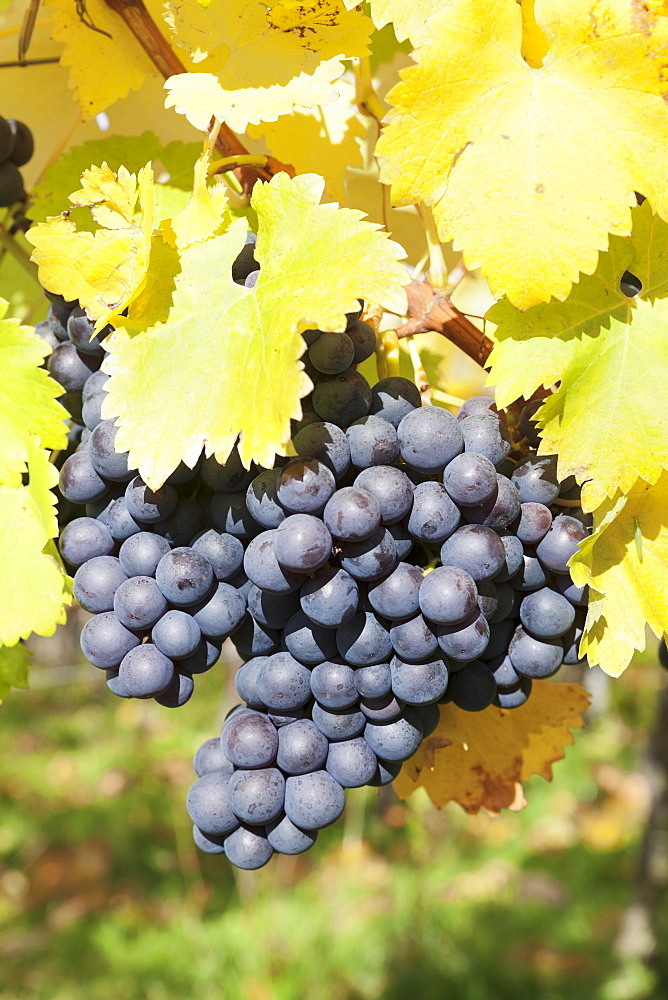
431, 309
145, 30
419, 374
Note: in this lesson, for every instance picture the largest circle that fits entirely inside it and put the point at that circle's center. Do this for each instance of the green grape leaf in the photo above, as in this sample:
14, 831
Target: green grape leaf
34, 588
28, 394
50, 196
225, 361
608, 352
14, 663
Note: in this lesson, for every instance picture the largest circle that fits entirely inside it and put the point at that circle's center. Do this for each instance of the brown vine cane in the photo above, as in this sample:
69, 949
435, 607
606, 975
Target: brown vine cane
143, 27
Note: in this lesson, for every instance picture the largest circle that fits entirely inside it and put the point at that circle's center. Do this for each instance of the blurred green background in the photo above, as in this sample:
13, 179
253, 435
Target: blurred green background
103, 894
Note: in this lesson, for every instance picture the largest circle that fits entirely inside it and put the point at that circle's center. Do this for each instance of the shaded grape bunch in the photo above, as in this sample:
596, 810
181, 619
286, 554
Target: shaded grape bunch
399, 561
16, 148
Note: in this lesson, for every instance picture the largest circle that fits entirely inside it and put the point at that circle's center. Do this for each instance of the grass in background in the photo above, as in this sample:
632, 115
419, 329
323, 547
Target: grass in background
103, 894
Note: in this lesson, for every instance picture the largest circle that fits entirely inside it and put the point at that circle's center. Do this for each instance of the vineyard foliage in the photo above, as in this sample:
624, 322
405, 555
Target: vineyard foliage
515, 138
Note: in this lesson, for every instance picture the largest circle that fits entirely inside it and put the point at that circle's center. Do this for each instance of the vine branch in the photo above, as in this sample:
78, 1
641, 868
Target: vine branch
143, 27
431, 309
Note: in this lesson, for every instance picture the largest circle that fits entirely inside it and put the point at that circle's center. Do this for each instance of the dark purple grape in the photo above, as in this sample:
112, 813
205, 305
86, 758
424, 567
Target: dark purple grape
249, 741
560, 543
352, 514
145, 671
429, 438
535, 658
474, 548
470, 479
301, 747
448, 595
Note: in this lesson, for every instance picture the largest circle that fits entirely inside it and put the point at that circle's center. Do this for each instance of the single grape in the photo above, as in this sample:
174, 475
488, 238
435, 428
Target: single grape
338, 725
342, 399
472, 689
183, 474
139, 602
79, 482
333, 685
147, 505
546, 614
113, 511
352, 763
96, 583
104, 641
372, 441
514, 556
308, 643
500, 634
23, 145
145, 672
256, 796
286, 838
210, 757
504, 672
262, 499
178, 692
374, 681
372, 558
184, 524
254, 639
352, 514
384, 709
532, 574
325, 442
91, 411
474, 548
391, 488
486, 435
185, 577
396, 596
205, 656
536, 479
302, 543
273, 610
576, 595
11, 184
392, 398
70, 367
301, 747
108, 462
247, 847
94, 383
224, 552
229, 513
263, 568
515, 698
219, 615
176, 634
305, 485
535, 657
413, 640
83, 539
418, 683
429, 715
402, 540
363, 640
80, 331
249, 740
476, 405
386, 772
207, 804
448, 595
313, 800
283, 682
332, 353
396, 740
470, 479
434, 516
429, 438
329, 597
560, 543
227, 477
364, 340
209, 845
501, 510
535, 521
466, 641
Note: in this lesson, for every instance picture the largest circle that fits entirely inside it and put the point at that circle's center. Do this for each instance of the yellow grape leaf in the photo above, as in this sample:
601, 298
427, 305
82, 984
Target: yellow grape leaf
528, 169
407, 17
477, 758
105, 269
625, 561
247, 44
200, 97
205, 212
607, 351
325, 140
105, 59
33, 586
14, 662
28, 406
225, 360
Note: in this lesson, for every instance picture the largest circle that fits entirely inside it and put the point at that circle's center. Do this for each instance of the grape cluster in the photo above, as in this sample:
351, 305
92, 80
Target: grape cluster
16, 148
400, 560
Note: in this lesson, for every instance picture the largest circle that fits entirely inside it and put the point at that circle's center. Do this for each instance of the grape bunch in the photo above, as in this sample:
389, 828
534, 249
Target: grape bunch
400, 560
16, 148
